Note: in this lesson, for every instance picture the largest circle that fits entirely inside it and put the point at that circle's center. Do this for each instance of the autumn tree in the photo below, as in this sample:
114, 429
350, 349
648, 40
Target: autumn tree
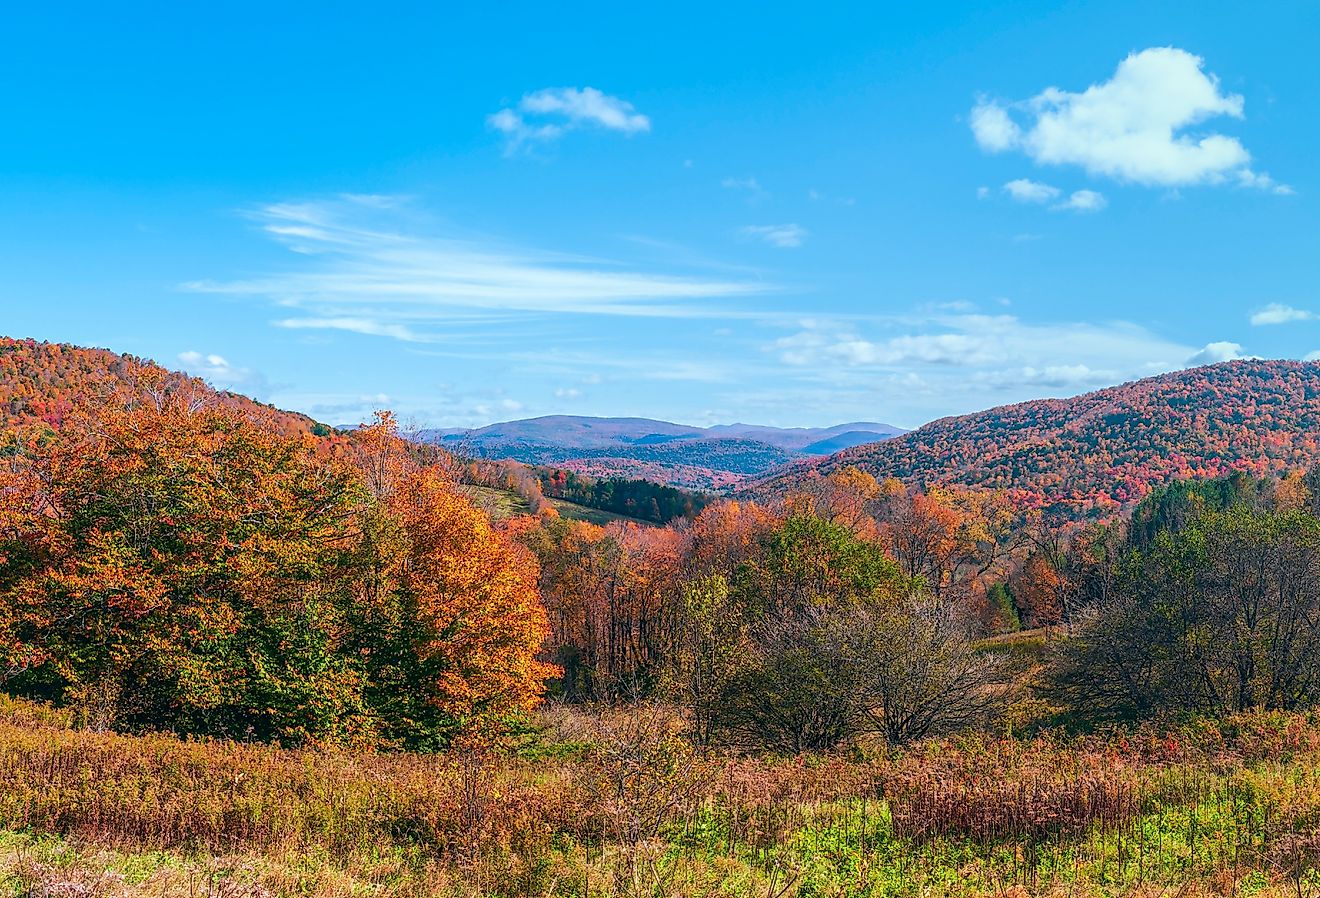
956, 541
1041, 591
193, 567
190, 581
446, 610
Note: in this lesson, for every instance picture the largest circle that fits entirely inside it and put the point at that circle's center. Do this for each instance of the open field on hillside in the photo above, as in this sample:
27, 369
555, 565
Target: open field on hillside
503, 504
618, 805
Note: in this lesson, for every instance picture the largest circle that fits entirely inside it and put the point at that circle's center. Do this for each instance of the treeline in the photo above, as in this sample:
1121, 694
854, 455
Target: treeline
641, 499
644, 500
178, 563
862, 607
852, 607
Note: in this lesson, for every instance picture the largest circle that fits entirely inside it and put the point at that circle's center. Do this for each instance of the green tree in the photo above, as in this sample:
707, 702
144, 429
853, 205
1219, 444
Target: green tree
1218, 616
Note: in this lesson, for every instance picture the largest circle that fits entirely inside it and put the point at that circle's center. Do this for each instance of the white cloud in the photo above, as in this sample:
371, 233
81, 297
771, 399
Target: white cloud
1260, 181
748, 183
376, 270
784, 236
1277, 313
993, 129
1026, 191
1312, 356
816, 196
549, 113
216, 370
568, 393
1084, 201
983, 193
995, 351
1220, 351
353, 325
926, 364
1132, 128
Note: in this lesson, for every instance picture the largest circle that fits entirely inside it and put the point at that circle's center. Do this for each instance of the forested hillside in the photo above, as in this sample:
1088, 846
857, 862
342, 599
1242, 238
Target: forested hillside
1110, 447
44, 382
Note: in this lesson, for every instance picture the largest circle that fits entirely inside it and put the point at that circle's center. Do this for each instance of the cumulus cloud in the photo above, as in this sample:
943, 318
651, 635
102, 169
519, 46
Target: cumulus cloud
1084, 201
1026, 191
216, 370
1220, 351
1277, 313
994, 130
1132, 128
784, 236
551, 112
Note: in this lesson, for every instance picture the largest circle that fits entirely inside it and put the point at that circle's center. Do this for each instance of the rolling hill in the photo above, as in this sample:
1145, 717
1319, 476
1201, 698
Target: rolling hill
678, 454
1108, 447
44, 385
45, 382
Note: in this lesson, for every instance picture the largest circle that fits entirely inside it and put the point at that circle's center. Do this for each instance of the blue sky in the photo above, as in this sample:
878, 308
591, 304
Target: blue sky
795, 215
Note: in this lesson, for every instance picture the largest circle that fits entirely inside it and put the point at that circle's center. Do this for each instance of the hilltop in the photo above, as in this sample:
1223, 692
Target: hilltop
1111, 446
46, 382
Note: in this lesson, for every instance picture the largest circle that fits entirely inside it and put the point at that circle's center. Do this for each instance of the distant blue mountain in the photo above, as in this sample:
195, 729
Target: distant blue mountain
659, 450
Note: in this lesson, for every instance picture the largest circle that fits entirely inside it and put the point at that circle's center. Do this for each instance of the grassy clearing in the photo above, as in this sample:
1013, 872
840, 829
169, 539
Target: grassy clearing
619, 805
503, 504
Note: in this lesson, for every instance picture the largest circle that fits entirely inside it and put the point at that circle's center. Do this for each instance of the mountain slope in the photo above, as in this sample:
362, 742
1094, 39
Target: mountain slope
1110, 446
42, 383
678, 454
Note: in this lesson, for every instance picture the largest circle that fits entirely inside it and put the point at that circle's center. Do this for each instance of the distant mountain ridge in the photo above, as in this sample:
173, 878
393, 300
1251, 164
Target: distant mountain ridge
1106, 448
679, 454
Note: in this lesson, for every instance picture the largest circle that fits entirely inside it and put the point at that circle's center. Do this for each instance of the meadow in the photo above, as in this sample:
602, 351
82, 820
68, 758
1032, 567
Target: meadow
617, 803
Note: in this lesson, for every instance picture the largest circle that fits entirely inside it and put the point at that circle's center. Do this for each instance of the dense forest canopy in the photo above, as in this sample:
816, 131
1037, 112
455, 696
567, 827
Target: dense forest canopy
1095, 453
178, 563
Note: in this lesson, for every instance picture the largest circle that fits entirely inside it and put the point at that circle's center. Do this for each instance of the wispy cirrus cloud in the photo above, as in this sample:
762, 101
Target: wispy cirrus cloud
783, 236
748, 186
1001, 356
1132, 128
747, 183
548, 114
373, 268
365, 326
